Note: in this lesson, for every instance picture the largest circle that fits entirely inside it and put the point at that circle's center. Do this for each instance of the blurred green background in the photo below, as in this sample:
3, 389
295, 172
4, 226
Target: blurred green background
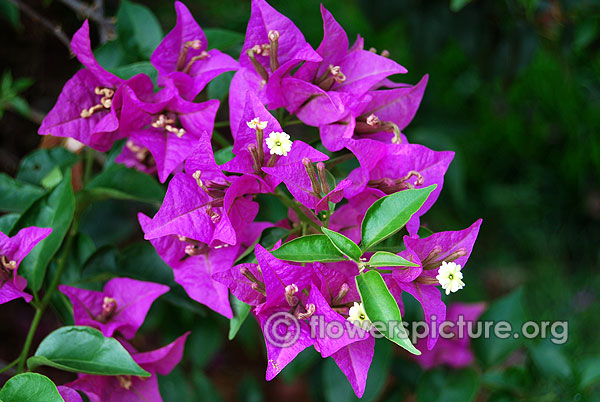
514, 90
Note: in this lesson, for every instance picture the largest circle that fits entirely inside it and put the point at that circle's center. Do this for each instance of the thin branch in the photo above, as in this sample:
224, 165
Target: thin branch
94, 12
55, 29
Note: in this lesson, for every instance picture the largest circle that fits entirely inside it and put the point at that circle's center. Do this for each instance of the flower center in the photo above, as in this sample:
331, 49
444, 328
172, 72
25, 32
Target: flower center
7, 269
109, 307
125, 381
369, 124
167, 123
269, 50
183, 55
390, 186
105, 102
333, 74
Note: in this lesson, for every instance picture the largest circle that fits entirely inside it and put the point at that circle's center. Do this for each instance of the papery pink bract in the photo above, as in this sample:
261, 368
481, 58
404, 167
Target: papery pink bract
132, 300
12, 251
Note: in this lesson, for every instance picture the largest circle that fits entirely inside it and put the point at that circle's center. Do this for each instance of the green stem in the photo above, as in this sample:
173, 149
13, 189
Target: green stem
221, 124
220, 139
291, 204
9, 365
39, 311
32, 328
88, 165
292, 123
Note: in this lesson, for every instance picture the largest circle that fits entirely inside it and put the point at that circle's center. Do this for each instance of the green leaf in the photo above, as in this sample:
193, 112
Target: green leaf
138, 29
343, 244
385, 259
10, 13
140, 67
54, 210
111, 55
589, 371
224, 155
35, 166
389, 214
457, 5
15, 195
309, 248
240, 313
30, 387
495, 349
449, 386
123, 183
7, 221
226, 41
82, 349
218, 88
382, 308
550, 360
52, 179
20, 105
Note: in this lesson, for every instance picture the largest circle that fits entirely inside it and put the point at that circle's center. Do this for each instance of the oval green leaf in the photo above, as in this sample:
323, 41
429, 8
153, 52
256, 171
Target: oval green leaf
30, 387
382, 309
16, 195
240, 313
123, 183
385, 259
343, 244
82, 349
389, 214
309, 248
54, 210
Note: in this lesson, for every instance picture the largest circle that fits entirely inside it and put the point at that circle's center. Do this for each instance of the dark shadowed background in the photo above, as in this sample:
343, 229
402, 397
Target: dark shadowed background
513, 89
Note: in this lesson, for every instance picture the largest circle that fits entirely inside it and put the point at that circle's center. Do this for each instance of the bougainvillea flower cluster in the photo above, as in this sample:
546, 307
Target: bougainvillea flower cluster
207, 229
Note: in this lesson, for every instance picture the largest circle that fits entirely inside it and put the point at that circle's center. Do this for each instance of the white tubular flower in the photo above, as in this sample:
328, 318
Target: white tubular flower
257, 124
450, 277
279, 143
358, 316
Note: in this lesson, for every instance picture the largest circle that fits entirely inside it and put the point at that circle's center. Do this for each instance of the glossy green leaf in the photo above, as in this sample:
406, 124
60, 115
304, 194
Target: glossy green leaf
30, 387
52, 179
382, 308
84, 350
55, 210
7, 221
389, 214
309, 248
138, 29
240, 313
35, 166
385, 259
15, 195
343, 244
121, 182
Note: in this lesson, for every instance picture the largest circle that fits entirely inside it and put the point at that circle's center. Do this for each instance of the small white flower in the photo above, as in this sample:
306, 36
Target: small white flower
257, 124
450, 277
358, 316
279, 143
